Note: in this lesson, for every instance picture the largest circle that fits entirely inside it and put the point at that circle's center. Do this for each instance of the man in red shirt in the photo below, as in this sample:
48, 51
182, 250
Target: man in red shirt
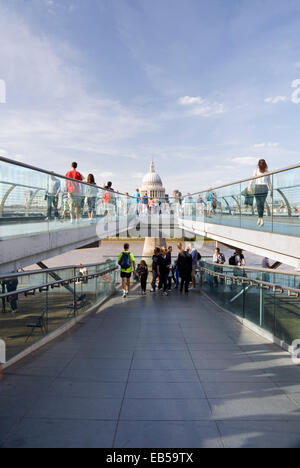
74, 191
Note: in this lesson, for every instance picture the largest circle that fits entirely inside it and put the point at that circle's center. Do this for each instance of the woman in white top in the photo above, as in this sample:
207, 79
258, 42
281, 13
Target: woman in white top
261, 189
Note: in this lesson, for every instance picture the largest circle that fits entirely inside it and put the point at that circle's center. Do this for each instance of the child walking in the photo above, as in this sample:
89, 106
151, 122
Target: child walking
143, 274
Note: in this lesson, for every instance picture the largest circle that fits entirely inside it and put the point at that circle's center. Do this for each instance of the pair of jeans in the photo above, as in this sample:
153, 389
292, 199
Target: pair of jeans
163, 281
155, 276
261, 195
52, 205
185, 282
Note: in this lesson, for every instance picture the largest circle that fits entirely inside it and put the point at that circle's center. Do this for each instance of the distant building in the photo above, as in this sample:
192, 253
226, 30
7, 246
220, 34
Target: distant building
152, 185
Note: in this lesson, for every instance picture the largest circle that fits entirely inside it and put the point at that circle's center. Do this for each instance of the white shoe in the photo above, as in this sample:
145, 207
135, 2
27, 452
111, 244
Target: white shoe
258, 221
262, 223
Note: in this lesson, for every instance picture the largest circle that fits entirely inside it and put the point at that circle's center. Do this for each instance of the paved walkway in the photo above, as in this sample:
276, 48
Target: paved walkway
155, 372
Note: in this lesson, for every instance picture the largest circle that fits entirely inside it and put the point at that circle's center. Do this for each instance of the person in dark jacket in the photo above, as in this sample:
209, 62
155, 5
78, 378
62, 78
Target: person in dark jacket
143, 274
185, 268
163, 270
155, 268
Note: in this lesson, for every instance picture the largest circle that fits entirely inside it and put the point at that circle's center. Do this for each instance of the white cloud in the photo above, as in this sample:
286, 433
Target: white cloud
50, 107
199, 106
276, 99
245, 161
269, 144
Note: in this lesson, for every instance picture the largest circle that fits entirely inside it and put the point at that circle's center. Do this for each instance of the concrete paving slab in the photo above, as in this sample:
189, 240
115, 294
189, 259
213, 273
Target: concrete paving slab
39, 433
170, 434
57, 407
174, 390
151, 376
165, 410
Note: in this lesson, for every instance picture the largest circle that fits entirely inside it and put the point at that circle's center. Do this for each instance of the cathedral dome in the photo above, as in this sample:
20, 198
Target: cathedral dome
152, 184
152, 178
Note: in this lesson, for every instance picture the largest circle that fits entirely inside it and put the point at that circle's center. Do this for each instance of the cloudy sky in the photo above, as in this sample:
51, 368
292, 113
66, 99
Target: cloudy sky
205, 87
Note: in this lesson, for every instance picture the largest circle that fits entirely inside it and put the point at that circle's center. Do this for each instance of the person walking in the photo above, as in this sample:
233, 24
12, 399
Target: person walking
218, 259
155, 273
163, 267
74, 191
52, 197
11, 285
145, 202
260, 188
137, 196
143, 273
170, 275
91, 196
127, 263
185, 268
194, 254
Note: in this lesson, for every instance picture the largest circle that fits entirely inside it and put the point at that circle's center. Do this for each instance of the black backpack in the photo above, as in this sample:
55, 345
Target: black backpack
125, 262
232, 260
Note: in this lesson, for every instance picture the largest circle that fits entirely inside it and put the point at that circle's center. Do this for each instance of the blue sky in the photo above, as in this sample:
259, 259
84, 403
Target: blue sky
205, 87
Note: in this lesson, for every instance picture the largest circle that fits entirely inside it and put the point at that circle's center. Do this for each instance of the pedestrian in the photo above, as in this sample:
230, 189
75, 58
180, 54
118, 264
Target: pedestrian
143, 273
266, 266
91, 196
137, 197
74, 191
170, 277
260, 188
163, 270
194, 253
11, 285
185, 267
145, 202
52, 197
218, 259
155, 273
210, 202
127, 264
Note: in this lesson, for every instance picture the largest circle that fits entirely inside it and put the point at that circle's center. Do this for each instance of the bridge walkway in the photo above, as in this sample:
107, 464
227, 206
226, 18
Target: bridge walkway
157, 372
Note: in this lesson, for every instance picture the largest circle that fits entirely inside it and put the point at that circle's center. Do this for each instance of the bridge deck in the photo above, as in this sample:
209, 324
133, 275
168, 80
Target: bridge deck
153, 372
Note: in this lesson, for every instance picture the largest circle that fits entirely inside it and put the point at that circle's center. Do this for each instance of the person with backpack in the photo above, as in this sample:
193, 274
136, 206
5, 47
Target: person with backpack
238, 259
127, 264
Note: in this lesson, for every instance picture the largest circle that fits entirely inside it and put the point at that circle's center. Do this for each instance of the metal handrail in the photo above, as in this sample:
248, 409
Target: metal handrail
244, 280
49, 270
262, 270
44, 171
278, 171
53, 283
